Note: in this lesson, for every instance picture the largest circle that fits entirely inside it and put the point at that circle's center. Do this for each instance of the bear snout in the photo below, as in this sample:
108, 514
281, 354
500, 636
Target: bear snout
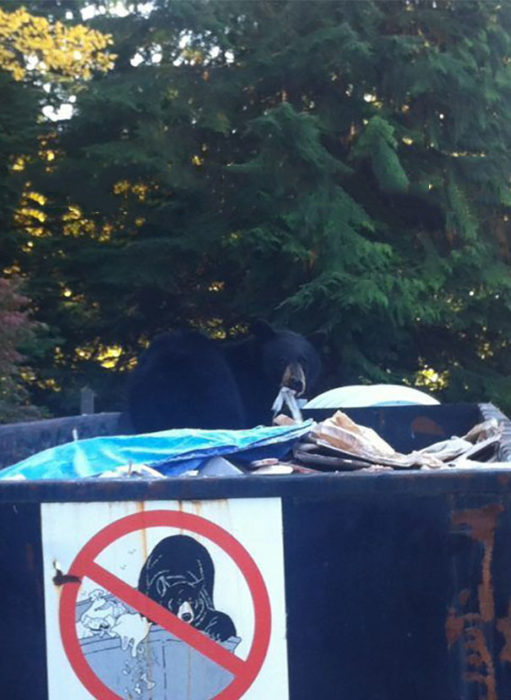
294, 378
185, 612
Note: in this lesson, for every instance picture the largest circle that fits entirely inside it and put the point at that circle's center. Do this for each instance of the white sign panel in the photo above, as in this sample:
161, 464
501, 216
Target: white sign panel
159, 600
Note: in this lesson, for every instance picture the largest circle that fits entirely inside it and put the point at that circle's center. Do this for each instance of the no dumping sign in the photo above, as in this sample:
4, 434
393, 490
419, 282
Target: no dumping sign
174, 599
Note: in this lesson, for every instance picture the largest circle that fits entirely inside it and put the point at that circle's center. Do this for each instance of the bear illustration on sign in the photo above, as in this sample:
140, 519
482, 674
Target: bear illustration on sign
179, 575
186, 380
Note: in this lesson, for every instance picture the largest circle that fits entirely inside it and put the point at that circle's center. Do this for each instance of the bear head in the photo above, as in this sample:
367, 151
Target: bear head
187, 599
179, 575
288, 359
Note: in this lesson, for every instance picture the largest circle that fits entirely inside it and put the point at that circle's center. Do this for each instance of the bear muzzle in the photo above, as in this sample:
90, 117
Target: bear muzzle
185, 612
294, 378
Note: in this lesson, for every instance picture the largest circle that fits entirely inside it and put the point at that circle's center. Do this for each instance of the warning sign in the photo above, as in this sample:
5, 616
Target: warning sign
161, 601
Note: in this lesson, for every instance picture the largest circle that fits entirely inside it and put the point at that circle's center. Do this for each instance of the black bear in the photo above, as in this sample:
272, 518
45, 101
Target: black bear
185, 380
179, 574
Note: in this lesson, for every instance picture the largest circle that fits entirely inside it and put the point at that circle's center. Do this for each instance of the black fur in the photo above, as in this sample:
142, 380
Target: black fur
179, 574
185, 380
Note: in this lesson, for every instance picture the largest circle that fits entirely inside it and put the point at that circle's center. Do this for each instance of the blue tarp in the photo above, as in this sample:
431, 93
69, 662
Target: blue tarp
171, 452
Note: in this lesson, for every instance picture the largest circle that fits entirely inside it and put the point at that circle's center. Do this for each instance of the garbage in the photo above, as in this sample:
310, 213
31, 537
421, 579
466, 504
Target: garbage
259, 463
339, 444
218, 466
283, 419
275, 469
170, 452
270, 466
287, 397
132, 470
481, 439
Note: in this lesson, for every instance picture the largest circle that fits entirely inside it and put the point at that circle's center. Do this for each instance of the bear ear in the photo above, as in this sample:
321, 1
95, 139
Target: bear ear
318, 339
262, 330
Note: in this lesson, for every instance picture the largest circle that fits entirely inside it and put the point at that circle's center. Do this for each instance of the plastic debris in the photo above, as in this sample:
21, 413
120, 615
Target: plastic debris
218, 466
287, 397
170, 452
275, 470
339, 444
130, 471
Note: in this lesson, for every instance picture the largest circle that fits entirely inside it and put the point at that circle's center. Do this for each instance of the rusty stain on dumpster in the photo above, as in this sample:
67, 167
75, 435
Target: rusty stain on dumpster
504, 627
473, 628
482, 523
426, 426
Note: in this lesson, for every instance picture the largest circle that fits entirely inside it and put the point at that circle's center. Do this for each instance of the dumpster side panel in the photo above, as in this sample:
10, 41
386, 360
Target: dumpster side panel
367, 591
396, 588
399, 597
22, 641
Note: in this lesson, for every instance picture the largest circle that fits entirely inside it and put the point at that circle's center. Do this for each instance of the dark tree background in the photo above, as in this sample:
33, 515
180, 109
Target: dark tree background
340, 166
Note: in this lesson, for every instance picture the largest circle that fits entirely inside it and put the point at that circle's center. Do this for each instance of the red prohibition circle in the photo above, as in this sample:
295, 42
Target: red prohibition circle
244, 671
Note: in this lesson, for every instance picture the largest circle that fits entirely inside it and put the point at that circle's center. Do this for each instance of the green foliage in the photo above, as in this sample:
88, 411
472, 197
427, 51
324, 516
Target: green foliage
337, 165
18, 136
19, 332
377, 143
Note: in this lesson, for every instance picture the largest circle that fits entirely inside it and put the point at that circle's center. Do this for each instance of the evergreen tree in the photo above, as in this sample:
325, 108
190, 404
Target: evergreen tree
18, 331
39, 58
337, 165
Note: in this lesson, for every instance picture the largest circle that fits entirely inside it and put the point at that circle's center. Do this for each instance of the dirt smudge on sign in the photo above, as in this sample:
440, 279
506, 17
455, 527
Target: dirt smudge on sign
140, 506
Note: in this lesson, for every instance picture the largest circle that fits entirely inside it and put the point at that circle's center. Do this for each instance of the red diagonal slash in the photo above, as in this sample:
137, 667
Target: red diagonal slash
243, 671
163, 617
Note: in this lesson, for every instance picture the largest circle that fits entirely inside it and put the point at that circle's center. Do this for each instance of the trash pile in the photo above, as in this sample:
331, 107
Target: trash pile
167, 453
339, 444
